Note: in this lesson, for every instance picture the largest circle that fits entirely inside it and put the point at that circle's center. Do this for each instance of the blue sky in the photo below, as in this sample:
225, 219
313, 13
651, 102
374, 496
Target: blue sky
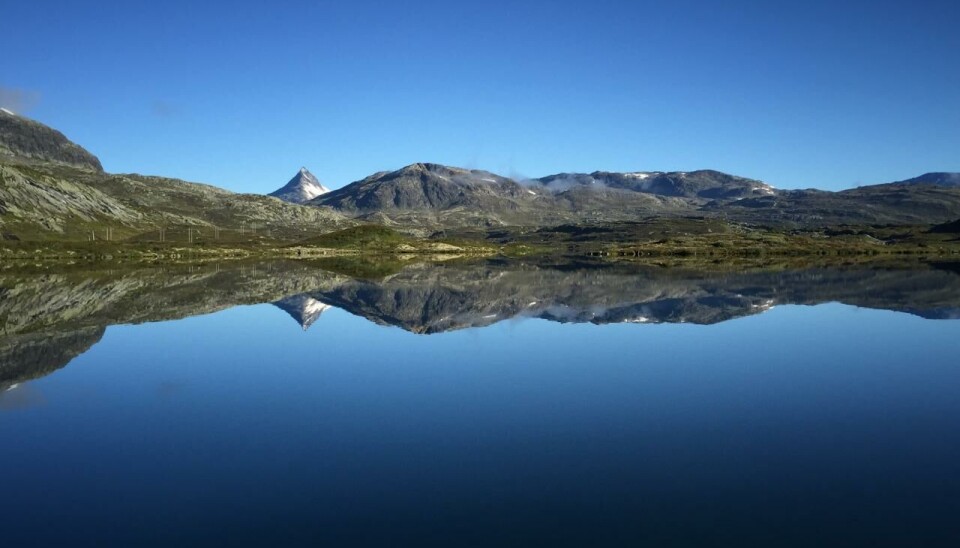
241, 94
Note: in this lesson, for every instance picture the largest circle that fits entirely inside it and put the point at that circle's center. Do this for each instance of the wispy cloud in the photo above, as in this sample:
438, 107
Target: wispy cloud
164, 109
18, 100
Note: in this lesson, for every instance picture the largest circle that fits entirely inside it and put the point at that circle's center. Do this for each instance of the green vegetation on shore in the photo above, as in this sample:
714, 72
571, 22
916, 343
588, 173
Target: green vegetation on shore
708, 240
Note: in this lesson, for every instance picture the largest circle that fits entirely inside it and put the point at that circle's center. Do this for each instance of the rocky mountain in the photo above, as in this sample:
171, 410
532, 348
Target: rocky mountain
891, 203
444, 196
26, 139
432, 196
705, 184
426, 186
946, 179
52, 189
424, 194
303, 187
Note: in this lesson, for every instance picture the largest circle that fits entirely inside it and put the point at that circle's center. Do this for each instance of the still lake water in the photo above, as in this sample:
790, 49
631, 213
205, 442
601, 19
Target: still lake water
294, 404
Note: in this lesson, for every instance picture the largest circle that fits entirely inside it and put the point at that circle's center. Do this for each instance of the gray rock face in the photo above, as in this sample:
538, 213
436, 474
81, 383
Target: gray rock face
26, 139
303, 187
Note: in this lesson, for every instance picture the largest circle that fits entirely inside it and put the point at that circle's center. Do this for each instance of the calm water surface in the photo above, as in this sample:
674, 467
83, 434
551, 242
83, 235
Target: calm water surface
490, 404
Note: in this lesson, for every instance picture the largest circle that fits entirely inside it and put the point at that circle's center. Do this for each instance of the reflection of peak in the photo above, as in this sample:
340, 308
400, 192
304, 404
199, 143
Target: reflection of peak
302, 308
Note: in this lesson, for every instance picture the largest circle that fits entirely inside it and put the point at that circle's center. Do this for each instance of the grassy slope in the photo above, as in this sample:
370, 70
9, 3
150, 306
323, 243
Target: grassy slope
61, 203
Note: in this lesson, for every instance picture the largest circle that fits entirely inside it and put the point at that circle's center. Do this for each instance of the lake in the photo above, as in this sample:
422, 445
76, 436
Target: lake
560, 403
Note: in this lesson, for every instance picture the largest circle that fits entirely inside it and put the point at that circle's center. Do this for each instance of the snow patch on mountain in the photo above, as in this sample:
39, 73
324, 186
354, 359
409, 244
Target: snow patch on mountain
303, 187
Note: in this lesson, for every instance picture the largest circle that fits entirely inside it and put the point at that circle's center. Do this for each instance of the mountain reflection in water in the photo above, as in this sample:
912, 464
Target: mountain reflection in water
46, 320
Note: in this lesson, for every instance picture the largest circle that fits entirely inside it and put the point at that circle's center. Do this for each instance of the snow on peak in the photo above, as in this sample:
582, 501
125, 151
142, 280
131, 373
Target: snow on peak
303, 187
7, 111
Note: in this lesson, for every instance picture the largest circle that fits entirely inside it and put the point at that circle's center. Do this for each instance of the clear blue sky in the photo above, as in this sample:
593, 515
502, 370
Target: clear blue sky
241, 94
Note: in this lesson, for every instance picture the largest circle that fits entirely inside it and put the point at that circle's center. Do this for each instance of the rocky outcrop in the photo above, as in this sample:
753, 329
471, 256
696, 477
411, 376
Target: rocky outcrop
27, 139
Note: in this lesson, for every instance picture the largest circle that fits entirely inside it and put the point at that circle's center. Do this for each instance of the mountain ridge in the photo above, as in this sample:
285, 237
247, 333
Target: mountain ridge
24, 138
425, 194
53, 189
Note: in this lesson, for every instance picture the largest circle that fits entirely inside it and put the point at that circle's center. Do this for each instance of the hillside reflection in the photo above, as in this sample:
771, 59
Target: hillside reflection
46, 320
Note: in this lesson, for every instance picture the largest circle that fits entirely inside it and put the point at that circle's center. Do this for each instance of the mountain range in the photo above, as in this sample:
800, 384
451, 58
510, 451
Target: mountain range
54, 189
437, 195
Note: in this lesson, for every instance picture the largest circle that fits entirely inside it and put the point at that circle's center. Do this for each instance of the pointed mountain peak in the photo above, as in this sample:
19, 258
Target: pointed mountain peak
303, 187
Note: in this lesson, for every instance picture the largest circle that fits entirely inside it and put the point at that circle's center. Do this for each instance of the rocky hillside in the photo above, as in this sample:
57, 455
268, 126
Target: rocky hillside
49, 192
892, 203
26, 139
936, 179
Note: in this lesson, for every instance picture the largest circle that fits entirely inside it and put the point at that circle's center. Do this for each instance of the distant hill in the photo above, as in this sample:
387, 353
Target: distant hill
437, 196
303, 187
936, 178
707, 184
26, 139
